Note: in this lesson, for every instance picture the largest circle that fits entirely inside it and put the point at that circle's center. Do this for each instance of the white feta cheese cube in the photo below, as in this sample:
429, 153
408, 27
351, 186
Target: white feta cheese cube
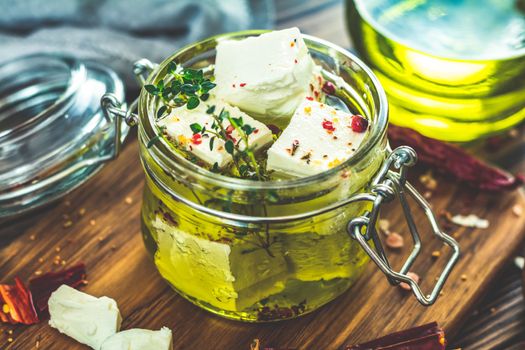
178, 127
268, 75
230, 277
85, 318
318, 138
139, 339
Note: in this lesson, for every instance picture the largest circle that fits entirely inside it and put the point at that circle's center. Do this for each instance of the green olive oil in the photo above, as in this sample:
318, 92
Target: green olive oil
453, 69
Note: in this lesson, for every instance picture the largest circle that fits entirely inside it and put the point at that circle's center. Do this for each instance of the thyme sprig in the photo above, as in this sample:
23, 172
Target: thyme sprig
181, 86
189, 87
241, 151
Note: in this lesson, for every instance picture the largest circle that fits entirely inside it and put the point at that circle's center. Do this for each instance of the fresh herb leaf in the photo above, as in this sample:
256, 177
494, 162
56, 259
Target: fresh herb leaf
224, 115
244, 169
229, 146
160, 86
248, 129
210, 109
161, 111
207, 86
172, 67
212, 140
188, 88
196, 128
152, 89
193, 102
204, 97
215, 167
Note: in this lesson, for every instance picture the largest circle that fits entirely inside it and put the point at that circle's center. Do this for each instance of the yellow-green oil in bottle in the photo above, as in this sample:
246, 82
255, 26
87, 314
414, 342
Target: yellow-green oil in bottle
453, 69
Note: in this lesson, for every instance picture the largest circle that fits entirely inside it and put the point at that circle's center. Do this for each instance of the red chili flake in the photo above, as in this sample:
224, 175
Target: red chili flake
316, 94
309, 98
242, 84
328, 126
233, 85
329, 88
319, 79
17, 304
274, 129
230, 129
453, 160
426, 337
196, 139
359, 124
42, 286
295, 61
255, 131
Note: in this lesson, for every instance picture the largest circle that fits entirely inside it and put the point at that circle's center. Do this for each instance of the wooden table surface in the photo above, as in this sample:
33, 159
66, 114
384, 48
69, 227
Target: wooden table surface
113, 242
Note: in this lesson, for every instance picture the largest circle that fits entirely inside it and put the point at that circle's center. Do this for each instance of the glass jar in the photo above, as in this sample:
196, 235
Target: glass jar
264, 251
453, 70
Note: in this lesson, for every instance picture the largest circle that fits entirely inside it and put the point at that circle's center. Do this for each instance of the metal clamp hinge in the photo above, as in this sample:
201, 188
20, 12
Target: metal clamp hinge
115, 111
386, 186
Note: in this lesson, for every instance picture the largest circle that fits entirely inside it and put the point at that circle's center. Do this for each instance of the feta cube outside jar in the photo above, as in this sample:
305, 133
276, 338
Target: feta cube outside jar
272, 250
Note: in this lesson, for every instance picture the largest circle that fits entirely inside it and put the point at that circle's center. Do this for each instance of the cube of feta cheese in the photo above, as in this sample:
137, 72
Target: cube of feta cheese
230, 277
318, 138
139, 339
85, 318
178, 127
268, 75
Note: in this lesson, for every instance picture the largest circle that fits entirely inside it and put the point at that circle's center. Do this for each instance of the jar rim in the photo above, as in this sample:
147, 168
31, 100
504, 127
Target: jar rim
377, 132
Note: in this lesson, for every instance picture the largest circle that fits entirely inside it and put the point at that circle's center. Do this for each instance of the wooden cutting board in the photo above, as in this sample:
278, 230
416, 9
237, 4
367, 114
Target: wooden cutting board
107, 238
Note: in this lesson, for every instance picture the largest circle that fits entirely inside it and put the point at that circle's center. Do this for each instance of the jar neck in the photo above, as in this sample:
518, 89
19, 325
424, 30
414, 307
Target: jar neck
175, 173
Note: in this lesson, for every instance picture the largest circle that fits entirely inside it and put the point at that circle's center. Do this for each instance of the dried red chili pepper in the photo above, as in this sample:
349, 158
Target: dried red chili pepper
426, 337
453, 160
17, 304
42, 286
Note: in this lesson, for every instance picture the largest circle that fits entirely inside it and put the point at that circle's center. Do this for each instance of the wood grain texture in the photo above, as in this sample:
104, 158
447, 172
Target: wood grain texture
119, 267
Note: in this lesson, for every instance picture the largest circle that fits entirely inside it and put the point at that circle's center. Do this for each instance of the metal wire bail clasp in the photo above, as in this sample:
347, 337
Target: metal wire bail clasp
115, 111
387, 185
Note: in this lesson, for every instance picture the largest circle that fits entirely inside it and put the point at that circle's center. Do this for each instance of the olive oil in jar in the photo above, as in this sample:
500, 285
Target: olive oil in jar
453, 69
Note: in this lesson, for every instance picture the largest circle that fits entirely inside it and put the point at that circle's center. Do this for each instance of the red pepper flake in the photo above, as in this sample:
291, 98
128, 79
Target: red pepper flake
453, 160
320, 80
42, 286
17, 304
316, 94
426, 337
309, 98
359, 124
242, 84
230, 129
295, 61
328, 126
329, 88
255, 131
196, 139
233, 85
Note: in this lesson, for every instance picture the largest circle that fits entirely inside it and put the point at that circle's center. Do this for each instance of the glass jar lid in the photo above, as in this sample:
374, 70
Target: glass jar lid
53, 134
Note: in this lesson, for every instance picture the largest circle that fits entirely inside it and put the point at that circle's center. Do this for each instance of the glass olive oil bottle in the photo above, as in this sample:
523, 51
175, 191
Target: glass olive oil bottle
453, 69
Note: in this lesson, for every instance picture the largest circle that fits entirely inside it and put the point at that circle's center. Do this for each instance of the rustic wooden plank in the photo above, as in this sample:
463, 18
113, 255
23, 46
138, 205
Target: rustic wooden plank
118, 266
